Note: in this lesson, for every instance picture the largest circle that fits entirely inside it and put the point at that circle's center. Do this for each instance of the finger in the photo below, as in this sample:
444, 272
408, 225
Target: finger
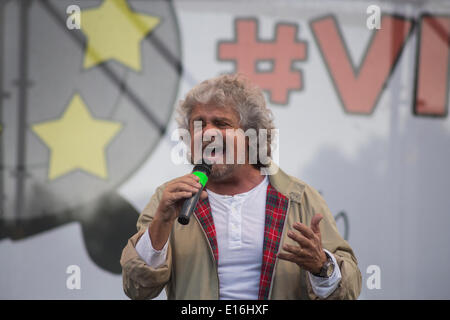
288, 257
194, 177
300, 239
175, 196
315, 223
204, 195
183, 186
188, 179
191, 179
189, 176
306, 231
296, 250
291, 257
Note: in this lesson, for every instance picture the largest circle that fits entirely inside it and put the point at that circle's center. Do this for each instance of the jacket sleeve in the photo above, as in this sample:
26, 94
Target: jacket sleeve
141, 281
350, 284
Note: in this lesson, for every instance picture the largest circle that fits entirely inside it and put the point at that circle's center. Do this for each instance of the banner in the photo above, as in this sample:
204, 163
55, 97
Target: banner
359, 93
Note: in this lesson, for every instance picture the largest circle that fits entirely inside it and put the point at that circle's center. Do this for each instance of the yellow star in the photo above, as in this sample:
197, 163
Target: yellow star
115, 32
77, 140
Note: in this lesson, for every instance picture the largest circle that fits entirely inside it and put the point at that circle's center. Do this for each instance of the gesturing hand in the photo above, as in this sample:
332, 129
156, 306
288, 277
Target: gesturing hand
308, 254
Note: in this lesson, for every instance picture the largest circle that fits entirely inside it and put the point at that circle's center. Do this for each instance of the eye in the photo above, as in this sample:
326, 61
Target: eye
222, 124
193, 121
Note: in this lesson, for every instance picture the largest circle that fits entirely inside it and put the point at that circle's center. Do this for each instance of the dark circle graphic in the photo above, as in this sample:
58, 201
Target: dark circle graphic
50, 74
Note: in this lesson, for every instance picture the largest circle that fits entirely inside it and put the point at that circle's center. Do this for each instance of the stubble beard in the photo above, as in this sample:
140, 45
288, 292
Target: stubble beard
220, 172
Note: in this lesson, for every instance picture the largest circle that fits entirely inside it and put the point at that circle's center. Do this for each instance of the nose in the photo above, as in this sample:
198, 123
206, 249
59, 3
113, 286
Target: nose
211, 135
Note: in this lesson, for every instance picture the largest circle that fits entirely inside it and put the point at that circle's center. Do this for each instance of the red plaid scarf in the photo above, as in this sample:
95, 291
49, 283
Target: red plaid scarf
276, 208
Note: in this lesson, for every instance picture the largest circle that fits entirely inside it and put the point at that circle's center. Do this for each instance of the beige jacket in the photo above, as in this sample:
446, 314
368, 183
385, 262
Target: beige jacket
190, 270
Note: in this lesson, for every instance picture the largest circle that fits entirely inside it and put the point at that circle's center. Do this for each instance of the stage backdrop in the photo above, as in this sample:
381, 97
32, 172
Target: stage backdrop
88, 89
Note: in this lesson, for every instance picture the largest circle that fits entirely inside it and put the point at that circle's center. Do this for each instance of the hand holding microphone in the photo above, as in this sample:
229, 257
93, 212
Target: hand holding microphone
202, 171
186, 189
179, 191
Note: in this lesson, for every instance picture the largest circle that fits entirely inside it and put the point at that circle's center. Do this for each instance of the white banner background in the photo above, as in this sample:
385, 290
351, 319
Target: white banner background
388, 171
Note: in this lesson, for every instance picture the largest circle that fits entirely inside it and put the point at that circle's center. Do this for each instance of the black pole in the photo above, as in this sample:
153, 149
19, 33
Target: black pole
2, 96
22, 84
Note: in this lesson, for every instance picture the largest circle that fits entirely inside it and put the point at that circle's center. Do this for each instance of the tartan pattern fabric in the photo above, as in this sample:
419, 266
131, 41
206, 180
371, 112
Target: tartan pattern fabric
276, 208
203, 213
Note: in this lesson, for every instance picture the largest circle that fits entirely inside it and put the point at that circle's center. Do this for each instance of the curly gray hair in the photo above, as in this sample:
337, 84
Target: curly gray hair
231, 90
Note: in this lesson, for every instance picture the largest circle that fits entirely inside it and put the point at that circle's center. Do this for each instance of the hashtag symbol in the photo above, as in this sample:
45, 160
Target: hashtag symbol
246, 51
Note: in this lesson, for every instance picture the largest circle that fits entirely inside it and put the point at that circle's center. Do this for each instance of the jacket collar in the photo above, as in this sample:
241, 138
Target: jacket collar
276, 210
280, 190
288, 186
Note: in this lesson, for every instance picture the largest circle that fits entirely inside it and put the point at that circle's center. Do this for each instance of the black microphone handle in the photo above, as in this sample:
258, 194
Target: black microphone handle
188, 207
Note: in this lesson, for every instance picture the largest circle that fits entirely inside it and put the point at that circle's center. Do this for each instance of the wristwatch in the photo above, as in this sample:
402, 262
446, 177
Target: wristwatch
327, 268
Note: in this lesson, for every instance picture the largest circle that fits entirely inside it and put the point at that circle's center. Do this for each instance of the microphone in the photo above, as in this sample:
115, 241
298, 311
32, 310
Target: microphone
202, 171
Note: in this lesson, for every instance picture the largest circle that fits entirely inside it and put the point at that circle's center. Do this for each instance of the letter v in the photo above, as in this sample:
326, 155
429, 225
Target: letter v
360, 88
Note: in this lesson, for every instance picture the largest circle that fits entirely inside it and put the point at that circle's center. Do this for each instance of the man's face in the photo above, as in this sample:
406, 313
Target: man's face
215, 120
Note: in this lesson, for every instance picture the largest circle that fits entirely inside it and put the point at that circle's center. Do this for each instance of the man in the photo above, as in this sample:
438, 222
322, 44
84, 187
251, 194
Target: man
251, 236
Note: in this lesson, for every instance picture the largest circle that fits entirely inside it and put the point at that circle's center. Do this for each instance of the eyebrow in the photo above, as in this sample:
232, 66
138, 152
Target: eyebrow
213, 119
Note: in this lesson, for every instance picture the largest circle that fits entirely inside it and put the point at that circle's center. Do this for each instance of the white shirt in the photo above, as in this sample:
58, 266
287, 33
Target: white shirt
239, 221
